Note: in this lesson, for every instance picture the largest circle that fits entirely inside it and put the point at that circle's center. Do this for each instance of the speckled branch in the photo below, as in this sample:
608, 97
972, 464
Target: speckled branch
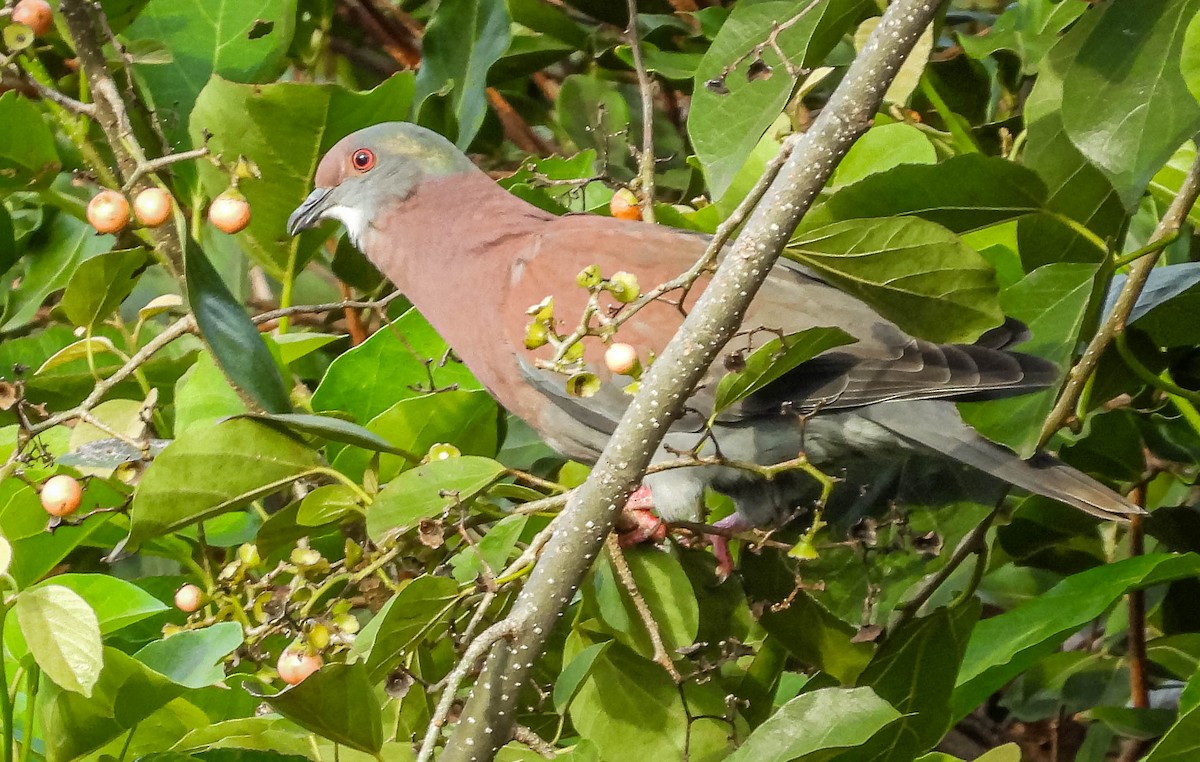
487, 720
109, 109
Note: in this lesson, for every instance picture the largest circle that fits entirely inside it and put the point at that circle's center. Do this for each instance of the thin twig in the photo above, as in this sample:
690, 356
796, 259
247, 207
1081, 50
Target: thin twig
1139, 693
154, 165
646, 90
531, 739
1139, 272
625, 574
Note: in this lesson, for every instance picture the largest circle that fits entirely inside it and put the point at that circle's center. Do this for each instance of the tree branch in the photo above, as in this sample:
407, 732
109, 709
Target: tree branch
646, 90
488, 717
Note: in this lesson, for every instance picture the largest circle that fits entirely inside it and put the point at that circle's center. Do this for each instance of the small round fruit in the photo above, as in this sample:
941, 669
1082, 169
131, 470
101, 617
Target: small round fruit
152, 207
624, 205
108, 211
295, 666
35, 14
61, 495
621, 358
229, 212
188, 598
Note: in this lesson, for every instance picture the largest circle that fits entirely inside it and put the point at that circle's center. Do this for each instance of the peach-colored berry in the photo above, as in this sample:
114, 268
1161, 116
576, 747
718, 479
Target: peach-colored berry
295, 666
35, 14
229, 212
620, 358
624, 205
108, 212
61, 495
152, 207
188, 598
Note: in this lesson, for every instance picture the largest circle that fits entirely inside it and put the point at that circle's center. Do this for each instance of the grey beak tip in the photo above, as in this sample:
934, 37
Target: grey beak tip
308, 214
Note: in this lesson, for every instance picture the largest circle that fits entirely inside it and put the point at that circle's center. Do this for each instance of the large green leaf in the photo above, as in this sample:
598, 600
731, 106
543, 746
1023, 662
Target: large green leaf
914, 671
469, 420
724, 128
234, 340
462, 41
127, 693
664, 587
193, 658
1003, 646
28, 158
244, 42
1125, 103
204, 396
385, 368
284, 129
1189, 61
116, 603
65, 244
963, 193
829, 718
63, 635
426, 491
913, 272
100, 284
192, 479
336, 702
1052, 302
412, 614
1027, 28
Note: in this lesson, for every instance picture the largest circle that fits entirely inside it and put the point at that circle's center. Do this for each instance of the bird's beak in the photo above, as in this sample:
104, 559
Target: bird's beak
309, 213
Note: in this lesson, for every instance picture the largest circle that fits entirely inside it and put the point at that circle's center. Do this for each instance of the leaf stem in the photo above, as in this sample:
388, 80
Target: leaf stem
32, 678
6, 703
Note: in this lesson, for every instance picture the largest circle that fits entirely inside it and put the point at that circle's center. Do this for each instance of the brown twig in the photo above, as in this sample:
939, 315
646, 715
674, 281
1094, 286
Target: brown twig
625, 575
1139, 272
646, 90
1139, 692
972, 543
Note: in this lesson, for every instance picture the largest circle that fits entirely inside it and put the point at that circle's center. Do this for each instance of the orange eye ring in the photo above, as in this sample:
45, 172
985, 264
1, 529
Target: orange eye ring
363, 159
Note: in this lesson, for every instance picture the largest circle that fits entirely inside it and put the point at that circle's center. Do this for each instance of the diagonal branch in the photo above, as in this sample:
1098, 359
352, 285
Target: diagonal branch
1139, 272
488, 717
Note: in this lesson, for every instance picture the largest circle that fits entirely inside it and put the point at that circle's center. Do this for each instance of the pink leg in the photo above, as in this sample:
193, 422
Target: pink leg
637, 522
734, 522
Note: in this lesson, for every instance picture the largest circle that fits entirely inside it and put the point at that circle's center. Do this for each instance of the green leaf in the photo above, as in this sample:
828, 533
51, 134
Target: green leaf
773, 360
1028, 28
913, 272
1003, 646
914, 671
462, 41
570, 680
1182, 741
327, 503
327, 427
126, 694
829, 718
426, 491
413, 614
8, 241
493, 549
1125, 103
909, 75
204, 396
596, 117
235, 341
667, 592
373, 376
179, 487
1052, 301
116, 603
82, 349
67, 242
285, 129
293, 346
336, 702
193, 658
207, 37
1189, 61
882, 148
99, 286
28, 158
963, 193
63, 635
724, 128
469, 420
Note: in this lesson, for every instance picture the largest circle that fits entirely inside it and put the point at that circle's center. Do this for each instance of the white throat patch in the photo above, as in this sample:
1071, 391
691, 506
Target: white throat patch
353, 220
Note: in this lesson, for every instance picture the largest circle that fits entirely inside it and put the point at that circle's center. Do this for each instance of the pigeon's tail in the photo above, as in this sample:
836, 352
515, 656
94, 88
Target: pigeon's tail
937, 426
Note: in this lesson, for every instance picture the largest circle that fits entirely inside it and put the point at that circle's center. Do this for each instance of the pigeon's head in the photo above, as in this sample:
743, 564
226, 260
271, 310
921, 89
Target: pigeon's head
373, 169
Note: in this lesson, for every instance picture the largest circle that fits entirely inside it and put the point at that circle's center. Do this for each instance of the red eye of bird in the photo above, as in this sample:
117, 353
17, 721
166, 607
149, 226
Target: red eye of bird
363, 159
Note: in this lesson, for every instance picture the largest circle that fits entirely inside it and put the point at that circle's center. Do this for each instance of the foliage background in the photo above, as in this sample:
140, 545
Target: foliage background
1046, 138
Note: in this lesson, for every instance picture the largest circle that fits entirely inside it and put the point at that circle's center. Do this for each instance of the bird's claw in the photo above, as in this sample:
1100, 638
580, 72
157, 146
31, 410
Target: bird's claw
637, 523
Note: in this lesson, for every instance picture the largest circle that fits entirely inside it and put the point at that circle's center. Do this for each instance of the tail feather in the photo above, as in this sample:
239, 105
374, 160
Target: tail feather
937, 426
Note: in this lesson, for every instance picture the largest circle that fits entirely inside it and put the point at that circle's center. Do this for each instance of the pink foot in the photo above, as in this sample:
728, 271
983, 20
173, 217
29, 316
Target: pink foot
637, 522
733, 522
